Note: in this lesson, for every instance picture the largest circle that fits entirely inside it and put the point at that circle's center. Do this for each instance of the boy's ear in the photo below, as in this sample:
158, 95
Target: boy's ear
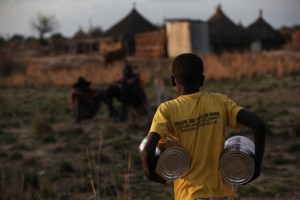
202, 80
173, 81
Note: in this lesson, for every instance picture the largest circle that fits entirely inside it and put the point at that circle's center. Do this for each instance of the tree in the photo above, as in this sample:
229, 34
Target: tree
56, 36
30, 39
44, 24
95, 32
2, 41
17, 38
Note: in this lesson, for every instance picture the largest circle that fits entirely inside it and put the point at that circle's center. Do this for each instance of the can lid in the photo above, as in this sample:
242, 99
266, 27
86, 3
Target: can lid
240, 142
236, 167
173, 163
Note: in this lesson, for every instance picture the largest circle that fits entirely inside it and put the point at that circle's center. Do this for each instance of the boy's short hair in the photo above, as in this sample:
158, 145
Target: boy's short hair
187, 69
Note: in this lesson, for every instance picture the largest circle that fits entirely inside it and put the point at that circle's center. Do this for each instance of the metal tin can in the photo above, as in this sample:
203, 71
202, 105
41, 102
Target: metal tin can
173, 160
173, 163
237, 164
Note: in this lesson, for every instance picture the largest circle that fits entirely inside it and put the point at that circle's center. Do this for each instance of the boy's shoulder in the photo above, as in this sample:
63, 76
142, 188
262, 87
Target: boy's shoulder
211, 93
215, 94
205, 94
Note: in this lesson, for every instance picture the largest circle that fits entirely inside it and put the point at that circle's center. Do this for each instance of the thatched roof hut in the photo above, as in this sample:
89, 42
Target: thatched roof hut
225, 35
126, 29
81, 42
264, 33
80, 34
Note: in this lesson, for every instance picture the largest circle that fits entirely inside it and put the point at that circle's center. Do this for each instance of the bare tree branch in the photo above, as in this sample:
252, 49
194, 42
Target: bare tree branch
44, 24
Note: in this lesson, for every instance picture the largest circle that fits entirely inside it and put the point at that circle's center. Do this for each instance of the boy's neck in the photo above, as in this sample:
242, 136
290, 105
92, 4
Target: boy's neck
188, 90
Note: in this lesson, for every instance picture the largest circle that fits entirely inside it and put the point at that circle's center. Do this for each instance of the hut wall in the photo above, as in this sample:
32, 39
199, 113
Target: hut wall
256, 46
108, 45
77, 46
58, 46
179, 38
187, 36
200, 37
150, 44
296, 40
87, 45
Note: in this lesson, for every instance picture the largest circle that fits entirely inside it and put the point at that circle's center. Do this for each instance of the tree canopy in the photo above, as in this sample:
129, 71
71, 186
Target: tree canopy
95, 31
44, 24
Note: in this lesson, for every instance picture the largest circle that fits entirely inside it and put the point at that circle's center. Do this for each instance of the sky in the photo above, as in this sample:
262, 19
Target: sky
16, 16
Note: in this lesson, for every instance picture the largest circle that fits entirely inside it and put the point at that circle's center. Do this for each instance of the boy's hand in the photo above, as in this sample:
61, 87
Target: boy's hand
156, 178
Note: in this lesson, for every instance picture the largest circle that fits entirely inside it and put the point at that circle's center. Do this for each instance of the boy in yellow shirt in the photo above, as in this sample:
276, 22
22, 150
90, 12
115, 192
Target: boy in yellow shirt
198, 119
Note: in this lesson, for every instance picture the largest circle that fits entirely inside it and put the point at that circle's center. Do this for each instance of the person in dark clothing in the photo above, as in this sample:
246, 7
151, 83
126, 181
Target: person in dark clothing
132, 92
84, 100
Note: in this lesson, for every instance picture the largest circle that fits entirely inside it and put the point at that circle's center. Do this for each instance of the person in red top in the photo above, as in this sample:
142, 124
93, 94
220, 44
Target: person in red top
83, 100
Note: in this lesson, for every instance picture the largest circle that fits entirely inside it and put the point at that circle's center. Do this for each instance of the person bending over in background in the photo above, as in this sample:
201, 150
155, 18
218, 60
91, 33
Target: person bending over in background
204, 142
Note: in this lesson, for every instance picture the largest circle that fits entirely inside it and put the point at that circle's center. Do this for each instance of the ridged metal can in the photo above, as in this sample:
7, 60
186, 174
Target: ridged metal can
173, 160
173, 163
237, 164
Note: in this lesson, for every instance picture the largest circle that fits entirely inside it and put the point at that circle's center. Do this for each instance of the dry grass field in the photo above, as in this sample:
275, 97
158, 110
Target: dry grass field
44, 155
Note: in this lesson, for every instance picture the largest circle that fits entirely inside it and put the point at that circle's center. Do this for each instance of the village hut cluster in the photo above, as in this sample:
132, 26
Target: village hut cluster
136, 36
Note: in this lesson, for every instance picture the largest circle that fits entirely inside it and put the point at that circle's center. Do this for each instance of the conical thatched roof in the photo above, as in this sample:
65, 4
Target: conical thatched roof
131, 24
261, 30
225, 32
80, 34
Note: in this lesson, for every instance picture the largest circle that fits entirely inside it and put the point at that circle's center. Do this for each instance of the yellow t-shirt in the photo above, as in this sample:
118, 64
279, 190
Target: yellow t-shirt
198, 124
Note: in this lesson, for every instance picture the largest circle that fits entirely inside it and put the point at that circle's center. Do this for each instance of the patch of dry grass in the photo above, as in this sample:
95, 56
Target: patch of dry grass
249, 65
65, 70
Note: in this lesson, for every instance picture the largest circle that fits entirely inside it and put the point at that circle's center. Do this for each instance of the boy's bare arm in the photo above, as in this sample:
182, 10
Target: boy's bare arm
259, 128
149, 159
